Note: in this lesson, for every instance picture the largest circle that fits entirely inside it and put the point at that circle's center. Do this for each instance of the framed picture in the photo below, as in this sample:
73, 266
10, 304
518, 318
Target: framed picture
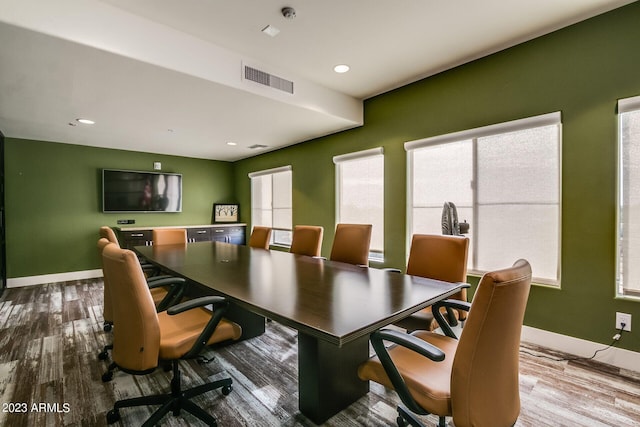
225, 212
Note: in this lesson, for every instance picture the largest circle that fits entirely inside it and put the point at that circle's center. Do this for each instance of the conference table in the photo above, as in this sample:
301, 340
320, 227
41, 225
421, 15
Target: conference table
334, 307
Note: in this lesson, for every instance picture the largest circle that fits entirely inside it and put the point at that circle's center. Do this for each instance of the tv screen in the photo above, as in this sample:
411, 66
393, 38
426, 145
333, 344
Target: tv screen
136, 191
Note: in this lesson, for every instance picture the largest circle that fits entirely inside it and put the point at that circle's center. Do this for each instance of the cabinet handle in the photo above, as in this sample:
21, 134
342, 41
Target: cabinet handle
219, 231
201, 231
137, 235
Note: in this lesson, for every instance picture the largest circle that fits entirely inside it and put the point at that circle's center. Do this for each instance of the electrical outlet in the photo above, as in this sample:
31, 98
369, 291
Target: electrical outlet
623, 318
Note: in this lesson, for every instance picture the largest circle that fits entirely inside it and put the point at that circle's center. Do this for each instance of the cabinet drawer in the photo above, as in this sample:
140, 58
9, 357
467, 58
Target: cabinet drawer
219, 234
129, 239
199, 234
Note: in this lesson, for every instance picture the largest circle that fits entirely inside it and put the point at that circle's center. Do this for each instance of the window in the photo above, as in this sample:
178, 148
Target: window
271, 203
628, 272
505, 181
360, 194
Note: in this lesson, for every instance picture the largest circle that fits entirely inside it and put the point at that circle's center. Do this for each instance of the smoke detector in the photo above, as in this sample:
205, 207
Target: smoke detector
288, 12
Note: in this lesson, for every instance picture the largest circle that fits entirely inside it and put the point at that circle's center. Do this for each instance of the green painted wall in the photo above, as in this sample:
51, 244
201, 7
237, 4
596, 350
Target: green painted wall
53, 201
581, 71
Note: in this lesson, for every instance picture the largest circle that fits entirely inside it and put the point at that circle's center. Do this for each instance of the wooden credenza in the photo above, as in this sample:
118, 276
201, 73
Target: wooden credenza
143, 236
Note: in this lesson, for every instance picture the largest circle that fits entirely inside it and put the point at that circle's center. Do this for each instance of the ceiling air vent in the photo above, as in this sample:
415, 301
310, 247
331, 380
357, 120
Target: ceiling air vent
267, 79
256, 146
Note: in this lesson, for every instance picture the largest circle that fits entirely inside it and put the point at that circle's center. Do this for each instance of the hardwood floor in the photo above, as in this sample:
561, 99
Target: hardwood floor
50, 336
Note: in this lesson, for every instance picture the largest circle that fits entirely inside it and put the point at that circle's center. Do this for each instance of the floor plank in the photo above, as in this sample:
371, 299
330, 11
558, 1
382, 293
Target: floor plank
50, 336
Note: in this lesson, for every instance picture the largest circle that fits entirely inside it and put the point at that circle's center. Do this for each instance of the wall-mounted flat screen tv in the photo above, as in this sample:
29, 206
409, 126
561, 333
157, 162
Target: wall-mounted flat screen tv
137, 191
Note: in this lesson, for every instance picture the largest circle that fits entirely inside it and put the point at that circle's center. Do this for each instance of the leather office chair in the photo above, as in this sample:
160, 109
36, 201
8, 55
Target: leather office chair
260, 237
165, 290
169, 236
351, 244
148, 337
307, 240
474, 379
149, 269
441, 258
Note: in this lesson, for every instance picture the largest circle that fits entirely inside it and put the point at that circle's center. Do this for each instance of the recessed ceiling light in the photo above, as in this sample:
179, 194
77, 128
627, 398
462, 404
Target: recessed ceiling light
342, 68
85, 121
231, 143
270, 30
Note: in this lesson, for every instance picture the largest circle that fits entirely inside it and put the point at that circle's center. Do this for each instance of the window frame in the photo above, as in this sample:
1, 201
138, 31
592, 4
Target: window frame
624, 105
271, 172
375, 255
554, 118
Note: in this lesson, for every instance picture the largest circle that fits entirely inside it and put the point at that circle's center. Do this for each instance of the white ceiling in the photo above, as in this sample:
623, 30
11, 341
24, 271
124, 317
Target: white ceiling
165, 76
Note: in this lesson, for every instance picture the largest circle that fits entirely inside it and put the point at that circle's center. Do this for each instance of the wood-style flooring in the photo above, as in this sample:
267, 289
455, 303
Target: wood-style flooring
50, 336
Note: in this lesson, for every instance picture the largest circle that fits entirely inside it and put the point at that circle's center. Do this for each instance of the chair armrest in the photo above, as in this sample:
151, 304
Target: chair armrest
176, 290
219, 307
412, 343
149, 268
194, 303
162, 276
448, 304
165, 281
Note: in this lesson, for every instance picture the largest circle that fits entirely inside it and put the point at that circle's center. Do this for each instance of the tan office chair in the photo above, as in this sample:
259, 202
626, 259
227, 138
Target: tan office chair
169, 236
474, 379
108, 233
165, 290
306, 240
442, 258
260, 237
143, 337
351, 244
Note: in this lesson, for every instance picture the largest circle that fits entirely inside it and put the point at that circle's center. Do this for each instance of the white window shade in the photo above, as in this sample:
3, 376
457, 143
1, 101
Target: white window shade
360, 192
282, 200
518, 196
629, 199
271, 204
504, 180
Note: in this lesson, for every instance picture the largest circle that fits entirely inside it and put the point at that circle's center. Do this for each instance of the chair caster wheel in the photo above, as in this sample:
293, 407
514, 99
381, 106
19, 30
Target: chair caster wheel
226, 390
107, 327
113, 416
401, 422
103, 355
107, 376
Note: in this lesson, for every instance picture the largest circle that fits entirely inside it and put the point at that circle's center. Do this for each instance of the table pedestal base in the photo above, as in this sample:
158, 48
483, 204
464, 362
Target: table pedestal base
328, 376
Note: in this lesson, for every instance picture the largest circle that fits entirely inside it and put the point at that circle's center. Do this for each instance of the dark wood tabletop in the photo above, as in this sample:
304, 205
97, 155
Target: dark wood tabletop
332, 301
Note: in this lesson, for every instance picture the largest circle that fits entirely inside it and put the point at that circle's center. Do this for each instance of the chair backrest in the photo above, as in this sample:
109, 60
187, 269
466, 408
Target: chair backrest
440, 257
484, 377
169, 236
260, 237
107, 310
351, 244
307, 240
136, 344
109, 234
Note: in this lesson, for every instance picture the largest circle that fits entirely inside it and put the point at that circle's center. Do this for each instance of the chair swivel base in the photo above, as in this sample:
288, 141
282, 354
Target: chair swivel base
104, 354
175, 401
406, 417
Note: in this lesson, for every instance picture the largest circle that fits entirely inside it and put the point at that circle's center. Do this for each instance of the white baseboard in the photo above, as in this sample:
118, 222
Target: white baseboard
618, 357
18, 282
